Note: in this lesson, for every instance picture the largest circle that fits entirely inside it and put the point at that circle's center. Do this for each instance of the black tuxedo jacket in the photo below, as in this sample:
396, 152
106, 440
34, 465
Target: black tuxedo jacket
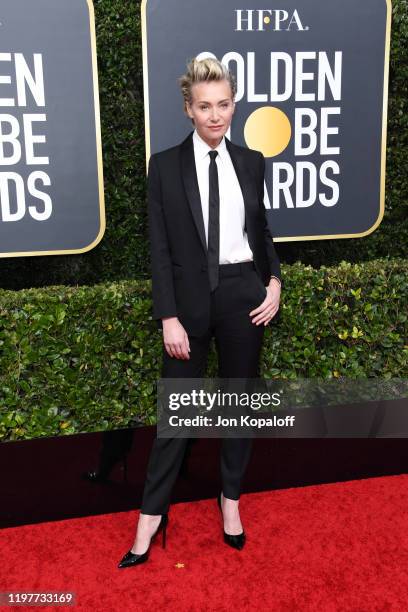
178, 250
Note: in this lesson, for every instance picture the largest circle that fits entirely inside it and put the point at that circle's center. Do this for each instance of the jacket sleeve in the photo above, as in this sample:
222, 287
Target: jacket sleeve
164, 302
270, 248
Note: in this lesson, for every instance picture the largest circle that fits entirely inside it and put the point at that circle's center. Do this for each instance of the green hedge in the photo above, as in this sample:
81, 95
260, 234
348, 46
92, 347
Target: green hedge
76, 359
123, 253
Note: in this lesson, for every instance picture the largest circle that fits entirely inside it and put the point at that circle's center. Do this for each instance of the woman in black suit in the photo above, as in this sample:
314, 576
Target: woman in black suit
215, 273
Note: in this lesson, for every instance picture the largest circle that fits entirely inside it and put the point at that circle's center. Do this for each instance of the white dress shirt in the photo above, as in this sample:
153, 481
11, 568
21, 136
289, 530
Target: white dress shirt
234, 245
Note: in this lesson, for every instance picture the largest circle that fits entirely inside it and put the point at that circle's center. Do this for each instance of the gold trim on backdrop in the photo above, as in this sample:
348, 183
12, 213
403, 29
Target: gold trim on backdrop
383, 130
102, 219
145, 82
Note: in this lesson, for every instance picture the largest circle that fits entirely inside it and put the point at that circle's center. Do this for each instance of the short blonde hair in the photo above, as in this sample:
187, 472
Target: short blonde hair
199, 71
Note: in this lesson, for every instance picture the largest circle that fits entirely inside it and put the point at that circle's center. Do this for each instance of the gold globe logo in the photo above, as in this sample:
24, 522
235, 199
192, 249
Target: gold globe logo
268, 130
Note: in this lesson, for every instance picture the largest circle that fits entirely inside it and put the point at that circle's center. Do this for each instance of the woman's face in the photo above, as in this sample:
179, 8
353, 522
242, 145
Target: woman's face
211, 108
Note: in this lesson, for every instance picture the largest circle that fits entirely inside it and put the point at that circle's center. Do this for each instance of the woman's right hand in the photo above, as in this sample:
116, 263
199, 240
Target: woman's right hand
175, 338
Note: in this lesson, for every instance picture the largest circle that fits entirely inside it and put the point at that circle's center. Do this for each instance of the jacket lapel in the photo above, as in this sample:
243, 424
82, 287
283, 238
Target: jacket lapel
189, 175
248, 188
245, 180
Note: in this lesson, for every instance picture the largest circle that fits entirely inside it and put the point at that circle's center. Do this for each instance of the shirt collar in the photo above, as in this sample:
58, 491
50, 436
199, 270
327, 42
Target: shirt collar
201, 148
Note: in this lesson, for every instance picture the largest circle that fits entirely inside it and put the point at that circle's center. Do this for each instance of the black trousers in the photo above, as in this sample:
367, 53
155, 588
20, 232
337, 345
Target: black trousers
238, 343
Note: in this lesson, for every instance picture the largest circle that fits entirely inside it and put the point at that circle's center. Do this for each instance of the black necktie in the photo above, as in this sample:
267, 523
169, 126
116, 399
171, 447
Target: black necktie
213, 222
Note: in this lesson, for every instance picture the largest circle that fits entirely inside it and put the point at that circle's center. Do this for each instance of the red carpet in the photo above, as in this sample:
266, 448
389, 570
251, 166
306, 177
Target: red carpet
334, 547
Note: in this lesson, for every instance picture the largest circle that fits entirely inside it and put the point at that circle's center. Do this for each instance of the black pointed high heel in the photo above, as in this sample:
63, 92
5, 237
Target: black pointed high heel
131, 559
236, 541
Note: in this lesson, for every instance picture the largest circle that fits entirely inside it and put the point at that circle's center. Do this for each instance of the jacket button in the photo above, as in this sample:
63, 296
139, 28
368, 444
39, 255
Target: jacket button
204, 268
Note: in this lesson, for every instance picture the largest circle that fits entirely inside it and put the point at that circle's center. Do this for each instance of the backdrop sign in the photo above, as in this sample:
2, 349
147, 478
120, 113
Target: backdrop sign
312, 96
51, 182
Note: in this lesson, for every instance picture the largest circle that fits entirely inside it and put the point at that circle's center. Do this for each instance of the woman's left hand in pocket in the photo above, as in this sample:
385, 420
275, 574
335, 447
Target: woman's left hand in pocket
269, 307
